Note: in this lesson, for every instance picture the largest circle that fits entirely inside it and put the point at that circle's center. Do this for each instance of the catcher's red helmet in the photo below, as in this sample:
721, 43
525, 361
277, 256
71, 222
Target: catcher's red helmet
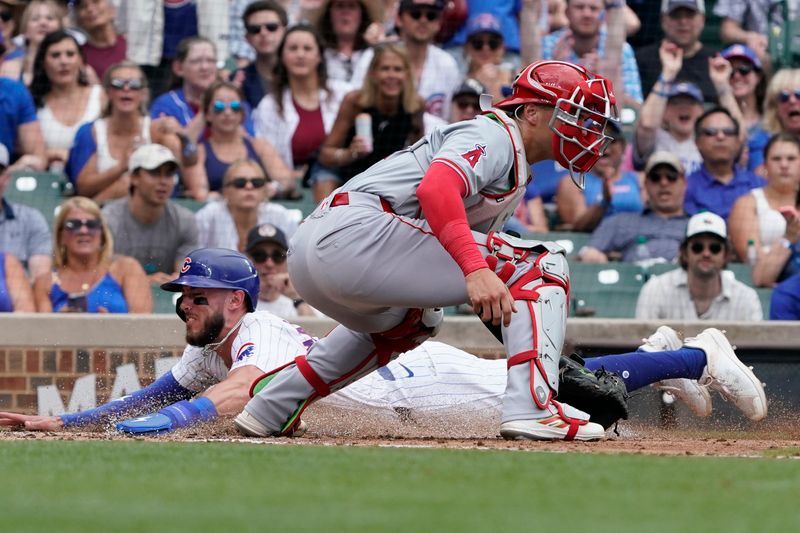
584, 104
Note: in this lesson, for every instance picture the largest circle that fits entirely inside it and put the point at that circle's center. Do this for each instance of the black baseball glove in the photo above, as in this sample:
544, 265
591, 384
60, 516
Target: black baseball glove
601, 394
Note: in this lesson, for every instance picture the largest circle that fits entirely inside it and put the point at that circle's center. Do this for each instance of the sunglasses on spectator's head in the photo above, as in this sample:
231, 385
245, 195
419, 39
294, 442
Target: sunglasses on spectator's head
492, 42
259, 256
255, 29
658, 177
698, 247
241, 183
785, 95
713, 132
234, 105
743, 70
121, 84
74, 225
430, 14
5, 16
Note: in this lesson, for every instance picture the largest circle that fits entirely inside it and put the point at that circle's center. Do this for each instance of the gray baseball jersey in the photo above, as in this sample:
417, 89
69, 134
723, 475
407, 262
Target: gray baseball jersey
487, 154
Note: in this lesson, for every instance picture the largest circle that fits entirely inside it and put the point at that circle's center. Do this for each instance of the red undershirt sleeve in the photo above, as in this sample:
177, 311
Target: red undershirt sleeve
440, 196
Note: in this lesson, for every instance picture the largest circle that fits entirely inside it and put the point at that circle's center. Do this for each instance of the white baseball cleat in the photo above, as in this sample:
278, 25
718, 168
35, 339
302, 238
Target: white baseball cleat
553, 427
726, 374
689, 391
248, 425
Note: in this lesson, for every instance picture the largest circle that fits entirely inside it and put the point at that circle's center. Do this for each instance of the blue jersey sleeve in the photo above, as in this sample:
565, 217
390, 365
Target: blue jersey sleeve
163, 391
83, 147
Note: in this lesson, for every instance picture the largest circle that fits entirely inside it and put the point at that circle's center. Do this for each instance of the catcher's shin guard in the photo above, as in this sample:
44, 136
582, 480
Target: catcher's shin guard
533, 343
290, 389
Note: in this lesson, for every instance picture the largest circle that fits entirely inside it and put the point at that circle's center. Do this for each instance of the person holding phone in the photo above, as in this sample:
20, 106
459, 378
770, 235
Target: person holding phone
767, 215
87, 277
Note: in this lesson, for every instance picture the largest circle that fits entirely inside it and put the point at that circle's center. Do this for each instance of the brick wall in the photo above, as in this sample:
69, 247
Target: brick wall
22, 370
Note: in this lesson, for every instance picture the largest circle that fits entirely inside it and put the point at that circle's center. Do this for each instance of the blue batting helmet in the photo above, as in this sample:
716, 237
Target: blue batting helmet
218, 268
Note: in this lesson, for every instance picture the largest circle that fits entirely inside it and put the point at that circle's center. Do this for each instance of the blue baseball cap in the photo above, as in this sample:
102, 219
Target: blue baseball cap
743, 52
686, 88
483, 22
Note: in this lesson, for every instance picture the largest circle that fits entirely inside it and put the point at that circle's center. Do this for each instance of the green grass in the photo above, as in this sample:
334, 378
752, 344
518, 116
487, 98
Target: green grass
147, 486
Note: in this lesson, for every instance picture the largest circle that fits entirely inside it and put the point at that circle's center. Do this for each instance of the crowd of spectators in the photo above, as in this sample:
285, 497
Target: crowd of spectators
241, 105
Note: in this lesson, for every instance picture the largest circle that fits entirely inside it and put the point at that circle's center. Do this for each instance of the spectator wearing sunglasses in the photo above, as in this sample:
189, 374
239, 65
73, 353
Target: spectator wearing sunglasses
781, 111
701, 289
748, 84
147, 225
104, 46
24, 233
396, 120
719, 181
226, 142
63, 96
484, 51
245, 203
435, 72
88, 277
267, 247
348, 28
264, 25
466, 100
9, 22
662, 223
99, 157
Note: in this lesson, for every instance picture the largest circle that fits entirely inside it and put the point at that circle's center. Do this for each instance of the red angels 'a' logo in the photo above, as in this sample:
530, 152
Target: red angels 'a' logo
474, 155
186, 264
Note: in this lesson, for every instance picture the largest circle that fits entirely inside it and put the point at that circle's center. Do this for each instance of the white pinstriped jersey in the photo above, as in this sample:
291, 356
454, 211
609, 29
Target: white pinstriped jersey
263, 340
434, 377
486, 152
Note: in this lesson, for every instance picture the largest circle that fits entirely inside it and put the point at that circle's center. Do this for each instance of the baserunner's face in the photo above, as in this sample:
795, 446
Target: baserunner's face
203, 309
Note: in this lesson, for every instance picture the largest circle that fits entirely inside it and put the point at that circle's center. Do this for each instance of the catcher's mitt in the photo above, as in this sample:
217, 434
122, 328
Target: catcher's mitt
601, 394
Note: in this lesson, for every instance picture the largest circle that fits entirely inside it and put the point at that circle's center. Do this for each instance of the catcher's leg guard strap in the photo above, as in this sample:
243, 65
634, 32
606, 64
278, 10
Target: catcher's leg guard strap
322, 388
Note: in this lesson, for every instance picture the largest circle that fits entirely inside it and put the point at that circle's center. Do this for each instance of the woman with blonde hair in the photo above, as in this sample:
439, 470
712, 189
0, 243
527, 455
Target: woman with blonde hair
245, 204
98, 159
87, 276
39, 18
781, 113
395, 113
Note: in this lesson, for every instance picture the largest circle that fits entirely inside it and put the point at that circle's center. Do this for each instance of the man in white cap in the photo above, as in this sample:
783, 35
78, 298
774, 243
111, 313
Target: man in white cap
663, 222
147, 225
701, 288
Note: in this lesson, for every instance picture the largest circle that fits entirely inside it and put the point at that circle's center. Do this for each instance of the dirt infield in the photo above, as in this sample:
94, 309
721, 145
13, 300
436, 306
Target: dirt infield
336, 428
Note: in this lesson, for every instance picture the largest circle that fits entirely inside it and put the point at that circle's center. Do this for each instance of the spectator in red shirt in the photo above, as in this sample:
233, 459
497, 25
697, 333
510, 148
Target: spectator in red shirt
104, 46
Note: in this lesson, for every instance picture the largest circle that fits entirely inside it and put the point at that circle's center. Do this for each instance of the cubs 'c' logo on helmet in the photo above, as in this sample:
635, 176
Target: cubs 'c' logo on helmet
585, 109
186, 264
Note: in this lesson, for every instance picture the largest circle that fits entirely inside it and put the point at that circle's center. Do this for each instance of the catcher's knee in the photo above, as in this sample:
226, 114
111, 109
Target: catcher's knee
417, 326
